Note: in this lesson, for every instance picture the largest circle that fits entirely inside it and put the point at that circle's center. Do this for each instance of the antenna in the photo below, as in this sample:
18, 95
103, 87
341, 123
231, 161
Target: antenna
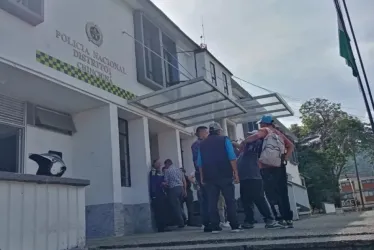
202, 37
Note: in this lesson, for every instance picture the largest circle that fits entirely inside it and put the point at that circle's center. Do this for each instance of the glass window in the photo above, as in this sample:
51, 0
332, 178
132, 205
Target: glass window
170, 61
10, 148
156, 54
124, 153
225, 84
213, 73
30, 11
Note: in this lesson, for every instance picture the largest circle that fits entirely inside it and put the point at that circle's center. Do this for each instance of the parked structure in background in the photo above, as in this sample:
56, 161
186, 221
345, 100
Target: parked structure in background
111, 87
350, 194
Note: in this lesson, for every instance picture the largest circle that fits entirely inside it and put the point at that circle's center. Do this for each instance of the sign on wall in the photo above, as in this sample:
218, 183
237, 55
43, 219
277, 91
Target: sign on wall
91, 66
88, 60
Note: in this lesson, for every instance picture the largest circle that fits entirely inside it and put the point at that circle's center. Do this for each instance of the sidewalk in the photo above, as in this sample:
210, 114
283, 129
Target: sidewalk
329, 231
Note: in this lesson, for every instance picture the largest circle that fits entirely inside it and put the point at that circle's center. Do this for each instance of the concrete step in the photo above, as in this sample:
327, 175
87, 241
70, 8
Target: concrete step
359, 242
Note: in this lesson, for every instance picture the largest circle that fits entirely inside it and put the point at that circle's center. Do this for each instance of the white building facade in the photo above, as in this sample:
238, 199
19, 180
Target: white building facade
110, 85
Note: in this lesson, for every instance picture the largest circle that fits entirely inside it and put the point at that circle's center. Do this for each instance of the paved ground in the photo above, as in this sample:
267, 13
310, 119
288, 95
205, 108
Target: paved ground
318, 232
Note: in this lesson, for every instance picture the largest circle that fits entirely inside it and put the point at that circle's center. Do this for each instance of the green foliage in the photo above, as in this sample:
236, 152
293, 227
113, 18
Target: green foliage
328, 137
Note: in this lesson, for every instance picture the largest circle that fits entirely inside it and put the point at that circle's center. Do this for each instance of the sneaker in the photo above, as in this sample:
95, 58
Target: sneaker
247, 225
216, 230
273, 225
224, 225
289, 224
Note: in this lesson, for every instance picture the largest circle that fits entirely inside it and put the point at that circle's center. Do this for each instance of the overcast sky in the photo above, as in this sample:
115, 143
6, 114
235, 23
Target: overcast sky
288, 46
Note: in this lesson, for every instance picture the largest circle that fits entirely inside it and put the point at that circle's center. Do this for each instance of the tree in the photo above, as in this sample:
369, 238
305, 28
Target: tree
328, 137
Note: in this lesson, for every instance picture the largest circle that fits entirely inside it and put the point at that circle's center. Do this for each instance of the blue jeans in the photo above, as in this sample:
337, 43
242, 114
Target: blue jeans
203, 202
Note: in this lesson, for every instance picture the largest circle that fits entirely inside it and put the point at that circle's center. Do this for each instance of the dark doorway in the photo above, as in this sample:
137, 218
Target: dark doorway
9, 148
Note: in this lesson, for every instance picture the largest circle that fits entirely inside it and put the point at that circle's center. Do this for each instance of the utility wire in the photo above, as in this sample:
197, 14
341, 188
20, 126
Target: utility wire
217, 77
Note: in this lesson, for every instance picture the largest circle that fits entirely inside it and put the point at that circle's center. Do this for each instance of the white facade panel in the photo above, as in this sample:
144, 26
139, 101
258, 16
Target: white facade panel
41, 217
293, 170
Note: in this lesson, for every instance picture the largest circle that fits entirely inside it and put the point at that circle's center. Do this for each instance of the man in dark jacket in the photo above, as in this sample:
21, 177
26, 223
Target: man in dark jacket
217, 166
201, 133
158, 196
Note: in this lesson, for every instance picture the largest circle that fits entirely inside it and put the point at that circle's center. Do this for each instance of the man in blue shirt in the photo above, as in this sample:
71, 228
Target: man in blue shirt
217, 166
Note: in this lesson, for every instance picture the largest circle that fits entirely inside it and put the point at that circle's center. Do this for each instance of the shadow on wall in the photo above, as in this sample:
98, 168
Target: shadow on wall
49, 164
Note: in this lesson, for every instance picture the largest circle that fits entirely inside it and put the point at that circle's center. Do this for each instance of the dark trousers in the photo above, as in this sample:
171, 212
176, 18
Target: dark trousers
160, 213
276, 189
228, 191
252, 192
189, 204
175, 197
202, 196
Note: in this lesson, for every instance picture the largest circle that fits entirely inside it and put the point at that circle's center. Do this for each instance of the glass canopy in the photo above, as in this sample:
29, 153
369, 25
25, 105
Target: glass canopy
270, 104
190, 103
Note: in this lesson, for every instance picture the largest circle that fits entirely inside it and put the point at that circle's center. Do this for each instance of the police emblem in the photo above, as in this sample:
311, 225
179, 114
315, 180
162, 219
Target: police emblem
94, 34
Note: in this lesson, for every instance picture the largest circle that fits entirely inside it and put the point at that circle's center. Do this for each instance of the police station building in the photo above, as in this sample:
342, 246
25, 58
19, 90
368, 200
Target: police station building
110, 86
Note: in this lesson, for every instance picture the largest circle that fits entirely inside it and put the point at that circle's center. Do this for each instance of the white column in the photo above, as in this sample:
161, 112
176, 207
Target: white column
224, 126
136, 202
169, 146
96, 158
140, 162
187, 154
96, 154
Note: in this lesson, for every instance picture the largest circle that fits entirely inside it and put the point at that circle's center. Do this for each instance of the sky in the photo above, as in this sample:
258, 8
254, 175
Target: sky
286, 46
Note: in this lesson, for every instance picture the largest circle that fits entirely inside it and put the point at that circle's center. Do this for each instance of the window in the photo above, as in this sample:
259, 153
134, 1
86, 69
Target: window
170, 61
302, 181
49, 119
252, 126
124, 154
10, 148
225, 84
213, 73
156, 55
30, 11
294, 157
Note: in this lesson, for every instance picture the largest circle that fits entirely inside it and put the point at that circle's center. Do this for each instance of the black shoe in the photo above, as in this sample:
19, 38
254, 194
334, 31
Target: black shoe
207, 229
181, 226
162, 230
216, 230
273, 225
247, 225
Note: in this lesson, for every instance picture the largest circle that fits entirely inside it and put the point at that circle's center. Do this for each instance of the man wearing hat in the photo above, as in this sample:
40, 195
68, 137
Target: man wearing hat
251, 186
275, 176
217, 166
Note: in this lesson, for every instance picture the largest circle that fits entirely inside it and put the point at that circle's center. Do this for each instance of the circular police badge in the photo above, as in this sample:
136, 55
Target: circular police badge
94, 34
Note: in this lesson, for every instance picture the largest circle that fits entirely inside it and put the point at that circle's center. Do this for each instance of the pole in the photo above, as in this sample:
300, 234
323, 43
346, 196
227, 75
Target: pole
359, 54
354, 65
358, 178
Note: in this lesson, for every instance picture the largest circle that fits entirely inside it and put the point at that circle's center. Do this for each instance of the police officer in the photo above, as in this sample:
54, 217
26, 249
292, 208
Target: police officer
158, 196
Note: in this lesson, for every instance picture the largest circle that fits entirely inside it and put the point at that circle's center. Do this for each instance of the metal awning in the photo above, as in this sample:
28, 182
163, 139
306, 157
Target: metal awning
190, 103
269, 104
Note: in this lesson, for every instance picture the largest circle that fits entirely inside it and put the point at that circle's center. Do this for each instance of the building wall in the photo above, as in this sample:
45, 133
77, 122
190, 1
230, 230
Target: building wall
293, 170
65, 39
219, 71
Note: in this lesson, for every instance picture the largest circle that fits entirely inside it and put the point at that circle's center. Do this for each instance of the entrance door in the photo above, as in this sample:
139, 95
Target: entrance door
10, 148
